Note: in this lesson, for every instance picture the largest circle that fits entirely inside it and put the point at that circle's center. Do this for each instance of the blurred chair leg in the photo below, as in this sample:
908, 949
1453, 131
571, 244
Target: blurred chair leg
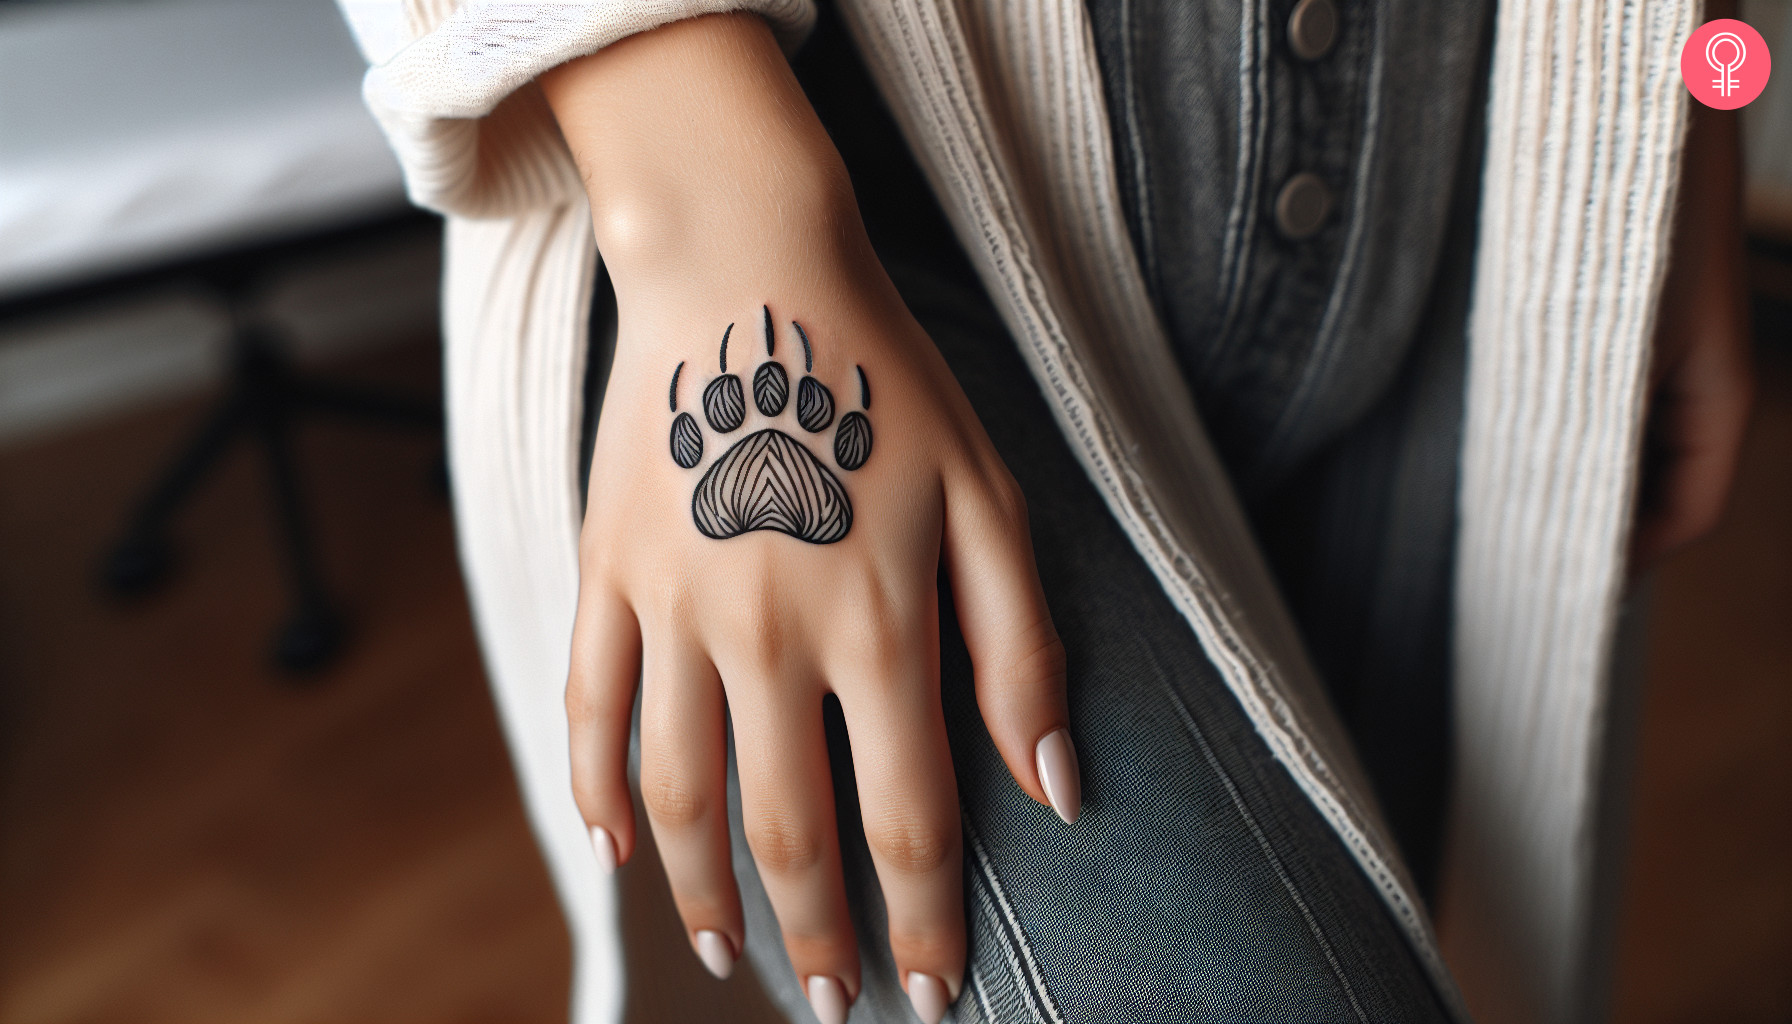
263, 395
141, 559
313, 634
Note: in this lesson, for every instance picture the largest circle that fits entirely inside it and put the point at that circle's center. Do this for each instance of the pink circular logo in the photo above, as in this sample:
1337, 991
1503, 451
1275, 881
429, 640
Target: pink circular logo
1725, 64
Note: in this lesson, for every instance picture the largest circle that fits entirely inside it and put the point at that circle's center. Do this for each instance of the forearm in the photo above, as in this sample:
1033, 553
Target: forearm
699, 150
715, 191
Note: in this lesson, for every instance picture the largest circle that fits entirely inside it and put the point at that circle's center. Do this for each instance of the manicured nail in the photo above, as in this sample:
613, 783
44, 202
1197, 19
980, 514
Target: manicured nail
716, 952
1056, 761
928, 996
827, 997
605, 848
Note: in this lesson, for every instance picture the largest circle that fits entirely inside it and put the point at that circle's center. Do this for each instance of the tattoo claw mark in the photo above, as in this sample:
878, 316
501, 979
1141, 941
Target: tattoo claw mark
808, 353
768, 480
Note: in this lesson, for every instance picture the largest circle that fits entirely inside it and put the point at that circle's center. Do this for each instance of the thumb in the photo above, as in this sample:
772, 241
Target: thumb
1017, 660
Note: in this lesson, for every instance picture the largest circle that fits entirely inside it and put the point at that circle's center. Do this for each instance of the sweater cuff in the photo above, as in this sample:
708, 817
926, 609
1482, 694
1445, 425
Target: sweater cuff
461, 110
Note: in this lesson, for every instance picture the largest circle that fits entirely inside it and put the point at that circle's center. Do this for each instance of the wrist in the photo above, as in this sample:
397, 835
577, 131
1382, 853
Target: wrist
699, 150
734, 225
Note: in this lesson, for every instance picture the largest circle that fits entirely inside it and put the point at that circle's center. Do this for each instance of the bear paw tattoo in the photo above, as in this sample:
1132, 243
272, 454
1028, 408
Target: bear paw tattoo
769, 480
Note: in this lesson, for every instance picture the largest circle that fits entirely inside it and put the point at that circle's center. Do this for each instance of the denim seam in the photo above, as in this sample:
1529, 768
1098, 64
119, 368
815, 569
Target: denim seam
1018, 974
1029, 977
1141, 168
977, 986
1241, 220
1269, 854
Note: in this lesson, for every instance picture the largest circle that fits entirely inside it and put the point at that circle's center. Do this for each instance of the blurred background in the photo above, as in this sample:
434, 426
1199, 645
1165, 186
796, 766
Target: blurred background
249, 770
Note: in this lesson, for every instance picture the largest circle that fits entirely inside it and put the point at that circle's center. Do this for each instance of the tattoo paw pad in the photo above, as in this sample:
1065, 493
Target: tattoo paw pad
769, 480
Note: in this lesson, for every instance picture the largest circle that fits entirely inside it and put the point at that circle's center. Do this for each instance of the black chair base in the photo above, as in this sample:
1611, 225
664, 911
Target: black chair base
264, 401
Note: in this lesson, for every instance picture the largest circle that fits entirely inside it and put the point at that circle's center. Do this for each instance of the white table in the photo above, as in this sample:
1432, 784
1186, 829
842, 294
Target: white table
136, 133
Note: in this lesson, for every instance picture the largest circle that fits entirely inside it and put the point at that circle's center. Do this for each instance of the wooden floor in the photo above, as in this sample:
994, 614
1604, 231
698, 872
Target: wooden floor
186, 836
189, 836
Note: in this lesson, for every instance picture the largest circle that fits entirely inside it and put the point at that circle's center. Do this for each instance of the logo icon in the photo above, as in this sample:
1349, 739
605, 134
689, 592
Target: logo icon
1725, 64
1726, 69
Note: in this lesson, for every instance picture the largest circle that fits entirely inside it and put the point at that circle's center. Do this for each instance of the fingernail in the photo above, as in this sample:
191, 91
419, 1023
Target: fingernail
928, 996
827, 997
605, 848
1056, 759
716, 952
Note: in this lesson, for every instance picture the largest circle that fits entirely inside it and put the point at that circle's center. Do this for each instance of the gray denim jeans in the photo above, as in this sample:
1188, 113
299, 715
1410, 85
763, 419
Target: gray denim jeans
1327, 367
1199, 883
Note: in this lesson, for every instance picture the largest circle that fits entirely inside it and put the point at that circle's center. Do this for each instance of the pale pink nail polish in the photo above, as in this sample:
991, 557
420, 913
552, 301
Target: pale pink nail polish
827, 997
605, 848
928, 996
1055, 758
716, 952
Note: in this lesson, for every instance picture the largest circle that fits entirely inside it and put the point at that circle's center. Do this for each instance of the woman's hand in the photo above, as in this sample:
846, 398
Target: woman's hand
782, 462
1700, 381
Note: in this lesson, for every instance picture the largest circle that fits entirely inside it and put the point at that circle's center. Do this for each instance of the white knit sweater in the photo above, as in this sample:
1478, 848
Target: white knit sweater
1001, 102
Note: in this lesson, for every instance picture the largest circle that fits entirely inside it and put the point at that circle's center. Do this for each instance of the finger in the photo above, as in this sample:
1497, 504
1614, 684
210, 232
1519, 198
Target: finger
787, 808
1697, 427
909, 802
600, 699
1016, 658
684, 785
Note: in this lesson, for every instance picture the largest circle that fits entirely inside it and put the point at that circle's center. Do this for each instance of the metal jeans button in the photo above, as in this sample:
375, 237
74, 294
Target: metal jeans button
1312, 28
1302, 205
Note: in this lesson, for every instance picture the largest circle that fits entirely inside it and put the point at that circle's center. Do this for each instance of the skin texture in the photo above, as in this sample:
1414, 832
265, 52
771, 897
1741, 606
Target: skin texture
715, 190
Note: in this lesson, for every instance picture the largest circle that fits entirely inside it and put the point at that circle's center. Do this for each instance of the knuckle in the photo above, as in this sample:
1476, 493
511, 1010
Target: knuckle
912, 847
581, 702
783, 847
1037, 655
762, 647
816, 948
599, 803
672, 801
599, 556
700, 905
588, 703
1009, 500
594, 552
757, 642
881, 645
885, 627
934, 945
588, 797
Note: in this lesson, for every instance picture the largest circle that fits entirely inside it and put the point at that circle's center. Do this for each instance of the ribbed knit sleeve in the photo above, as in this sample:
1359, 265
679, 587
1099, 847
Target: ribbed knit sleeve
1585, 122
452, 85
